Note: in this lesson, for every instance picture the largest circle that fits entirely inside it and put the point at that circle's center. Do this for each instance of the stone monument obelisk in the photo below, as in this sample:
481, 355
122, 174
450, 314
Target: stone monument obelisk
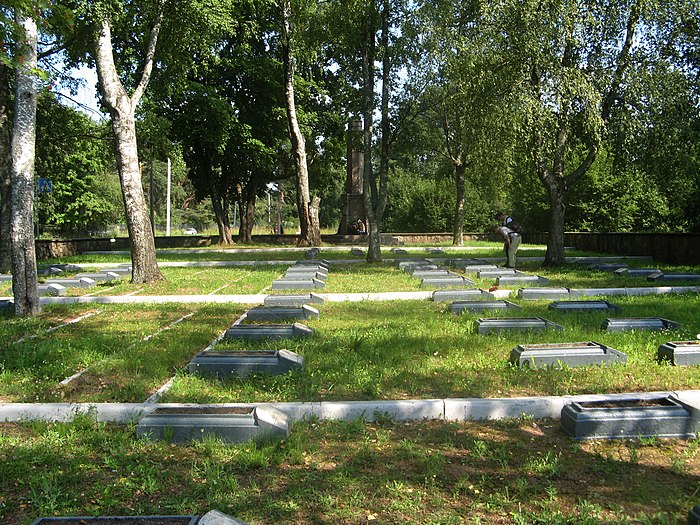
352, 206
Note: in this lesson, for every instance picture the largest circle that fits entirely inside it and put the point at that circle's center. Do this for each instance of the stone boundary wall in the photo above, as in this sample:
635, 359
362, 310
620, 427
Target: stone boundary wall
673, 248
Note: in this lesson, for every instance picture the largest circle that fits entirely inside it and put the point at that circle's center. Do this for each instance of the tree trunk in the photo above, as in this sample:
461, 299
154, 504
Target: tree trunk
458, 227
5, 171
24, 277
310, 229
248, 215
122, 109
555, 241
220, 209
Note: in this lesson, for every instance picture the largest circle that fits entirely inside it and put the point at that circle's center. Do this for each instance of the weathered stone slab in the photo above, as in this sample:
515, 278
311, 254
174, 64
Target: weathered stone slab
636, 272
423, 274
183, 424
534, 280
100, 277
305, 276
569, 354
479, 306
674, 277
543, 293
435, 250
498, 272
694, 515
292, 300
270, 331
680, 353
50, 270
307, 268
476, 268
121, 270
446, 282
55, 290
623, 324
358, 252
83, 282
223, 364
490, 325
595, 292
628, 419
460, 295
278, 313
214, 517
403, 263
419, 267
399, 251
608, 267
301, 284
316, 262
4, 278
312, 253
582, 306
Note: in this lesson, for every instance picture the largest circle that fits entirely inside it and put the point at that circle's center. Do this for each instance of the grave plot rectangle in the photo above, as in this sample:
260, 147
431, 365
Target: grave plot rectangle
55, 290
680, 353
307, 269
490, 325
419, 267
582, 306
569, 354
498, 272
83, 282
358, 252
278, 313
285, 284
119, 520
622, 324
100, 277
403, 263
256, 332
479, 306
223, 365
50, 270
399, 251
674, 277
534, 280
304, 276
6, 304
292, 300
636, 272
543, 293
312, 253
231, 424
422, 274
446, 282
476, 268
694, 515
594, 292
608, 267
435, 250
460, 295
122, 270
628, 419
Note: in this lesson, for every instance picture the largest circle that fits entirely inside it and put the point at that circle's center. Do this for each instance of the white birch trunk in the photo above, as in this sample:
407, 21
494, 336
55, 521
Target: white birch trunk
24, 277
122, 109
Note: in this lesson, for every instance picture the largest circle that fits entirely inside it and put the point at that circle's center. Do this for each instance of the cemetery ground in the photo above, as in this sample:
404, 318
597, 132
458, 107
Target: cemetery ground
385, 471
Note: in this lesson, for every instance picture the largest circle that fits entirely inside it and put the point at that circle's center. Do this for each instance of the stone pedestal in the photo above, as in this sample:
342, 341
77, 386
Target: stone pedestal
352, 206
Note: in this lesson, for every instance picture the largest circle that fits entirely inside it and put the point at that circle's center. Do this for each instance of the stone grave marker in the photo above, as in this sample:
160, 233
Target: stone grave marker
622, 324
680, 353
312, 253
476, 268
279, 313
399, 251
422, 274
533, 280
358, 252
301, 284
459, 307
100, 277
608, 267
490, 325
6, 304
55, 290
543, 293
673, 277
268, 331
4, 278
304, 276
292, 300
445, 282
582, 306
568, 354
636, 272
460, 295
694, 515
83, 282
498, 272
231, 424
628, 418
227, 364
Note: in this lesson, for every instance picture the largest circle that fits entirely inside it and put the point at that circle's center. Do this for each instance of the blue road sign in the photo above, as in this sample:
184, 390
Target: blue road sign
45, 185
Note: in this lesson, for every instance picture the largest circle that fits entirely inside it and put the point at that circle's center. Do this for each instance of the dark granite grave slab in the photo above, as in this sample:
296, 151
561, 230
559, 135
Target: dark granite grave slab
305, 276
582, 306
6, 304
647, 416
358, 252
460, 295
279, 313
680, 353
224, 364
419, 267
521, 324
269, 331
423, 274
445, 282
607, 267
622, 324
636, 272
231, 424
476, 268
543, 293
301, 284
694, 515
674, 277
569, 354
118, 520
292, 300
534, 280
479, 306
316, 263
498, 272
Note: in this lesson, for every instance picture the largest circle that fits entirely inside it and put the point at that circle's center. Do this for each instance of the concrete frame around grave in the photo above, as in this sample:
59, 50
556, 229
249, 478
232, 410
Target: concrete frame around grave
557, 355
228, 364
352, 204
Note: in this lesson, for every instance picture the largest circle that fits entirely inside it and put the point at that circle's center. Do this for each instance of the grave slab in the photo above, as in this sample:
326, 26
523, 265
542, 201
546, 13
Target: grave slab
636, 272
680, 353
499, 272
419, 267
479, 306
402, 263
583, 306
231, 424
422, 274
100, 276
214, 517
446, 282
83, 282
570, 354
227, 364
399, 251
307, 269
694, 515
608, 267
674, 277
302, 284
476, 268
55, 290
628, 419
292, 300
358, 252
534, 280
316, 262
489, 325
277, 313
4, 278
460, 295
6, 304
622, 324
283, 331
305, 276
536, 294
